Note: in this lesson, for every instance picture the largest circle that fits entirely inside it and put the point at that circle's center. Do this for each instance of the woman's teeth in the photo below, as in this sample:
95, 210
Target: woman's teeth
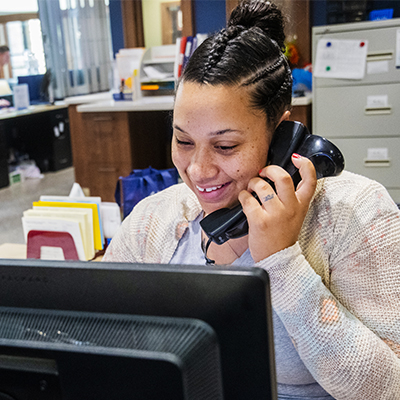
210, 189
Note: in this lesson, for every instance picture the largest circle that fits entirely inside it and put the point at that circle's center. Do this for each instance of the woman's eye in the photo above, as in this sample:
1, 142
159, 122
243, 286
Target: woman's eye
183, 142
226, 148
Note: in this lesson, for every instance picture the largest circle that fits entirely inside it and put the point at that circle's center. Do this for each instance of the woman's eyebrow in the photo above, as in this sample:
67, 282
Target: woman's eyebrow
222, 131
214, 133
178, 128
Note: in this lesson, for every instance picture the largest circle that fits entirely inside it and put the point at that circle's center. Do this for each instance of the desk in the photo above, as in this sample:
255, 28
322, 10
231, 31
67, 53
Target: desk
18, 251
13, 250
110, 138
40, 131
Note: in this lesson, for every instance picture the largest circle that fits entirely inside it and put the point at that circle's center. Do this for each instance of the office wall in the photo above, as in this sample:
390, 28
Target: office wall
152, 21
209, 15
117, 29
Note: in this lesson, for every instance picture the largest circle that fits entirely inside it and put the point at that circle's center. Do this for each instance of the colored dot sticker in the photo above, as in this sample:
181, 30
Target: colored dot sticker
329, 44
362, 44
328, 68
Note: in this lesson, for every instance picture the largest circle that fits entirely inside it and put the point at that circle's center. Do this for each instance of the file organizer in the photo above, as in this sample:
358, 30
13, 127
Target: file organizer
39, 239
63, 227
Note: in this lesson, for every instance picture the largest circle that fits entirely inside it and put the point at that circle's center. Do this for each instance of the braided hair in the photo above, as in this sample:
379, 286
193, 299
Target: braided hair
248, 53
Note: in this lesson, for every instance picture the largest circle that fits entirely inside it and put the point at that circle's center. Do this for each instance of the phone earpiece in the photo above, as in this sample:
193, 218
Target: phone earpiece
326, 157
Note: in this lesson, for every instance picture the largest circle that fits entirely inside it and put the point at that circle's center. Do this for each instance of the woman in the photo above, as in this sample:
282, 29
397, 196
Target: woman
331, 247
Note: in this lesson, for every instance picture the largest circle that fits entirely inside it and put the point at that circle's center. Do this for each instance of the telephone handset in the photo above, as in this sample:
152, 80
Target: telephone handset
290, 137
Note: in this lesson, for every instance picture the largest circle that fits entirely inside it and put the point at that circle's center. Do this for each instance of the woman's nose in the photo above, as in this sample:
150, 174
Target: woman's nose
202, 167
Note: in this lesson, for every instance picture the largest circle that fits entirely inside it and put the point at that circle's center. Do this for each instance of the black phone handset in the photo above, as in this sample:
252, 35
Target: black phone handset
290, 137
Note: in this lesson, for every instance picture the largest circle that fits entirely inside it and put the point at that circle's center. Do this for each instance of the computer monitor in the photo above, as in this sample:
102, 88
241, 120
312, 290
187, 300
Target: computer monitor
36, 94
62, 323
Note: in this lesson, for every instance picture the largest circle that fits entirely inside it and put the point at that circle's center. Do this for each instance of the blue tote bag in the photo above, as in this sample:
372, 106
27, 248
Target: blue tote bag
141, 183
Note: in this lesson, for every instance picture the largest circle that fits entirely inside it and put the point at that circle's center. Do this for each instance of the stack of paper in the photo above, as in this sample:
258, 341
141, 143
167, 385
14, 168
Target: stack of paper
78, 216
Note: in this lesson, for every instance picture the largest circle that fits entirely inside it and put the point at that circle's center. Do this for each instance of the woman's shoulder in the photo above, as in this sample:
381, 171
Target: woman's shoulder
350, 190
351, 179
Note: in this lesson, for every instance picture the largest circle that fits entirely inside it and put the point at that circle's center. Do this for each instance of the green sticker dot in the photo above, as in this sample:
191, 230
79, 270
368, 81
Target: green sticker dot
328, 68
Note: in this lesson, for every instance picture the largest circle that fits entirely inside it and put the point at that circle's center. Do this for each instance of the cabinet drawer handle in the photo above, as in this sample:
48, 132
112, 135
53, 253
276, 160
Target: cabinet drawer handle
107, 169
376, 163
380, 56
102, 119
378, 110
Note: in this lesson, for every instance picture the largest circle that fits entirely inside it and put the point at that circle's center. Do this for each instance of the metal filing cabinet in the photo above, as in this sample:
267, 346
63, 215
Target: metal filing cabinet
362, 117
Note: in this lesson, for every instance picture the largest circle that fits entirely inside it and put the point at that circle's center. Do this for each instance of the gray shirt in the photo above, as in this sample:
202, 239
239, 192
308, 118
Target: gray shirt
294, 379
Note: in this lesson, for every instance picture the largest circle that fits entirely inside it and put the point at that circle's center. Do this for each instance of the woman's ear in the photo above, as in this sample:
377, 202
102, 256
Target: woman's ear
285, 116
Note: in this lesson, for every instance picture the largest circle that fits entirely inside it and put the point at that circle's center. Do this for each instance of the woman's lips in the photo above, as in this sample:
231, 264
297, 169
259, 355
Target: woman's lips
209, 189
212, 193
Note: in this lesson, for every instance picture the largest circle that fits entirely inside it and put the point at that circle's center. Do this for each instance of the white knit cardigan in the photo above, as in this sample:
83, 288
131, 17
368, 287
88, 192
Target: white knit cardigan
337, 290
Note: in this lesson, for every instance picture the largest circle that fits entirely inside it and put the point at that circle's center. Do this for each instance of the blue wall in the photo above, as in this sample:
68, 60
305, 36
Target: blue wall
210, 15
117, 31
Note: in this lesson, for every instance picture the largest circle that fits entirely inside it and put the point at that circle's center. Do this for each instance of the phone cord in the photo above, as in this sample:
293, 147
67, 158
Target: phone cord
205, 249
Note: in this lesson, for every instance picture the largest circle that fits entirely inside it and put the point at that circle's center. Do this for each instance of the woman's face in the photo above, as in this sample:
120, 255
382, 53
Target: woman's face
219, 142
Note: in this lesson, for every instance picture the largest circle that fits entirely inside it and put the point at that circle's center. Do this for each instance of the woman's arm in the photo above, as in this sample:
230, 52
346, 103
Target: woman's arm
121, 248
348, 336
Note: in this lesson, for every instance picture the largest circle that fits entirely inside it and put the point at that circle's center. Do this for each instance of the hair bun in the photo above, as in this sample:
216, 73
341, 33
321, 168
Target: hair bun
261, 14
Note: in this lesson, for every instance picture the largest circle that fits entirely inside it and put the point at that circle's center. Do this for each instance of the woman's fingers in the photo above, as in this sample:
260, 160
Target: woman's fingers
276, 219
308, 183
282, 181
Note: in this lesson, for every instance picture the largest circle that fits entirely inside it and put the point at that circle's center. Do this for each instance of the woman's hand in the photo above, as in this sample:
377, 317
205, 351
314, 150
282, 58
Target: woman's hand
276, 224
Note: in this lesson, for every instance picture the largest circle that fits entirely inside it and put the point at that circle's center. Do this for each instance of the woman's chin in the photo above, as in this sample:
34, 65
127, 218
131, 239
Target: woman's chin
210, 208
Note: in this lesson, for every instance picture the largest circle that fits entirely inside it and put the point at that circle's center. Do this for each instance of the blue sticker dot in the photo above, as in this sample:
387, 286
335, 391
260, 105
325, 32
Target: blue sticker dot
329, 44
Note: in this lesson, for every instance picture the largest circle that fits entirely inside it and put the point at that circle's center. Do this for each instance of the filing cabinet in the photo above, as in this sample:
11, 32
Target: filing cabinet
362, 116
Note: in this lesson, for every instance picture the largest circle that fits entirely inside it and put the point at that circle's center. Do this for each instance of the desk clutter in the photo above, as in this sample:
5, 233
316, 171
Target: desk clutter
140, 72
74, 227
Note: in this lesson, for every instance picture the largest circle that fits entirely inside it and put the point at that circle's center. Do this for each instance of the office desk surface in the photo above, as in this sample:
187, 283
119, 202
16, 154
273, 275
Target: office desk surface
88, 98
18, 251
12, 250
156, 103
12, 113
